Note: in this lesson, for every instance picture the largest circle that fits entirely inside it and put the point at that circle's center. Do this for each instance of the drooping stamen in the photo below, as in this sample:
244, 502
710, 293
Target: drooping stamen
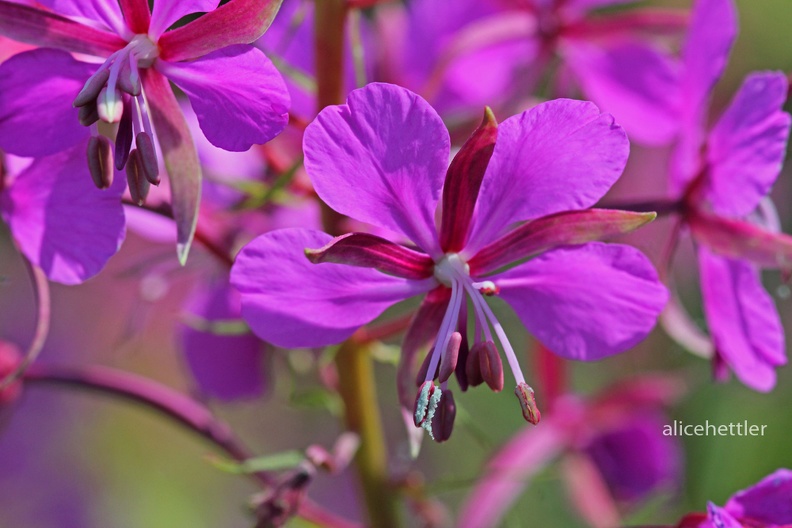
443, 421
94, 84
491, 366
138, 184
88, 115
100, 161
528, 403
148, 157
124, 135
426, 405
473, 365
449, 359
487, 288
446, 327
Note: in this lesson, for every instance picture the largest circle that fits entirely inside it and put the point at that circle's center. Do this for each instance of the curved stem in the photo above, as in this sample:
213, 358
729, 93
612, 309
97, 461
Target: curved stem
358, 390
42, 297
176, 406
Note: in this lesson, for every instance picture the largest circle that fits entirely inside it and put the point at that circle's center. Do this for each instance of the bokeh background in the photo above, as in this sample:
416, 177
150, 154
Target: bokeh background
75, 460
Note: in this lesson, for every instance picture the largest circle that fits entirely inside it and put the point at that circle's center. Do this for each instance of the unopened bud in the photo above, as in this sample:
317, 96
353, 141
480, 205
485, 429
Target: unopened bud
425, 406
10, 359
148, 157
100, 161
138, 184
88, 115
473, 366
528, 403
110, 105
90, 91
448, 362
443, 421
491, 366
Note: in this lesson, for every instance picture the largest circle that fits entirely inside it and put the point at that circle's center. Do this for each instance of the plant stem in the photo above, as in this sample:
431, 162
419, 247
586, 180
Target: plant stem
176, 406
358, 390
329, 24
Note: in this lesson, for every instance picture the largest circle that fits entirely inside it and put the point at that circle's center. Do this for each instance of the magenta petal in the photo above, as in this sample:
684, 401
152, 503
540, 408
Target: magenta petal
180, 156
46, 29
37, 88
290, 302
742, 319
768, 501
718, 517
228, 367
168, 12
561, 155
381, 159
560, 229
238, 95
61, 221
586, 302
237, 22
633, 81
371, 251
747, 146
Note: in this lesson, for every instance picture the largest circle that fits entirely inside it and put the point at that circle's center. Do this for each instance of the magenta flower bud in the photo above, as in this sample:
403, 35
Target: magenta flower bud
148, 157
138, 184
110, 105
448, 362
88, 114
491, 366
443, 421
100, 161
473, 366
528, 403
9, 361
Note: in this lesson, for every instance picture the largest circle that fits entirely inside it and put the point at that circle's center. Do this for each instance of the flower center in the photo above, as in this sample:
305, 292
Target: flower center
451, 268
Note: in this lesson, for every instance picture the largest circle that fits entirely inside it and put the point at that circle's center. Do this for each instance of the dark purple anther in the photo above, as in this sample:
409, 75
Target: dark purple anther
443, 421
138, 184
100, 161
448, 362
491, 366
148, 157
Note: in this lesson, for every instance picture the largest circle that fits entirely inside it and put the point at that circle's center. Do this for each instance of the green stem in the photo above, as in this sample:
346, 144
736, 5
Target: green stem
358, 390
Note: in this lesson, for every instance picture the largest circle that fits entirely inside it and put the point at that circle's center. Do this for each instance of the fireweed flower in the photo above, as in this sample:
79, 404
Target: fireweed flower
766, 504
381, 159
611, 448
720, 176
618, 60
46, 95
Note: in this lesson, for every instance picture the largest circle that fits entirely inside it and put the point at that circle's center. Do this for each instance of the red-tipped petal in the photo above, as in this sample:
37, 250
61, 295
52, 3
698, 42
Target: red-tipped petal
370, 251
48, 30
560, 229
181, 158
137, 15
237, 22
742, 240
463, 181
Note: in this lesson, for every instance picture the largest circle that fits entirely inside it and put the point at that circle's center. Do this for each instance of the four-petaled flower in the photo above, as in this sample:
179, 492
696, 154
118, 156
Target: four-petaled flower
721, 176
382, 158
46, 95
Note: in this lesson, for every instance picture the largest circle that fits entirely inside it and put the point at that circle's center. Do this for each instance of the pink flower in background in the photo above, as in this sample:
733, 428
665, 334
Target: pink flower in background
722, 174
382, 159
465, 54
46, 95
766, 504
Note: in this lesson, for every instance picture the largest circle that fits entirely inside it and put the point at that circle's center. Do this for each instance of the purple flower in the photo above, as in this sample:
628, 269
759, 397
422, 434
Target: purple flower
59, 220
382, 158
467, 53
46, 95
766, 504
721, 175
611, 448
